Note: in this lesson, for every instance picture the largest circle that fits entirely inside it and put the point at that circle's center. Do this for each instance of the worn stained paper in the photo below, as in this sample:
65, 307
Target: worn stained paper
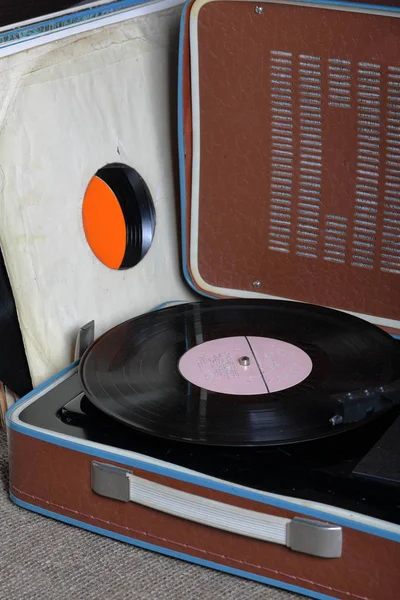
67, 109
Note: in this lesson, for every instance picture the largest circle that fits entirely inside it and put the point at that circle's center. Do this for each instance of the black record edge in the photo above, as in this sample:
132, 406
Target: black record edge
14, 369
137, 207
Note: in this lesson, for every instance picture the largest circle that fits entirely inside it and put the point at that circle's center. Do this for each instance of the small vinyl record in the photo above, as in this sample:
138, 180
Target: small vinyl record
237, 372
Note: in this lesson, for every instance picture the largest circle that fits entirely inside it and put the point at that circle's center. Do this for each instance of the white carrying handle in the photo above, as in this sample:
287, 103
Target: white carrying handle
302, 535
208, 512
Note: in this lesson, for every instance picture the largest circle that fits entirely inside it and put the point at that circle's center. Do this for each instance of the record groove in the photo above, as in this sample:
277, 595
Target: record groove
132, 372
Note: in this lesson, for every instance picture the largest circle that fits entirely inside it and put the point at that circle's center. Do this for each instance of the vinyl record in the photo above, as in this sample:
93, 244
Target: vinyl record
14, 368
236, 372
118, 216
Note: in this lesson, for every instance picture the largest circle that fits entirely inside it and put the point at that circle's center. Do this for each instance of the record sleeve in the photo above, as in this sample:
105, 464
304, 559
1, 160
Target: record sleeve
97, 97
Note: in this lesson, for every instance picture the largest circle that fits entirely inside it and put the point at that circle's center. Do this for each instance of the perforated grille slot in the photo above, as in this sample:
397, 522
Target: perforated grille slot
366, 234
310, 155
368, 161
390, 255
282, 151
339, 83
335, 238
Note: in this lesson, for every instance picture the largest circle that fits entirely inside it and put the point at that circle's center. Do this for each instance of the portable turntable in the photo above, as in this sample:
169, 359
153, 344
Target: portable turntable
254, 431
288, 486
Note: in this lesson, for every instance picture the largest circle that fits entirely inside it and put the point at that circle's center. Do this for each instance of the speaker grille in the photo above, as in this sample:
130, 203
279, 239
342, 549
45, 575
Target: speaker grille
297, 84
299, 112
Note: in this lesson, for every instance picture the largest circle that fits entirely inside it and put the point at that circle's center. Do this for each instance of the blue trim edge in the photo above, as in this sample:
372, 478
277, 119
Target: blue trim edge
357, 5
181, 155
193, 478
170, 553
32, 393
46, 27
168, 303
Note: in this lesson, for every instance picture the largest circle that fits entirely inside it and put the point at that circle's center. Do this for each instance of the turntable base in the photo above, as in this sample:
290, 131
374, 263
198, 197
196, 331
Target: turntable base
82, 464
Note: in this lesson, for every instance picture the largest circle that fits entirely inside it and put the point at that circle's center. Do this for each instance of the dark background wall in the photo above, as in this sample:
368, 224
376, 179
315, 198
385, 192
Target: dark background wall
13, 11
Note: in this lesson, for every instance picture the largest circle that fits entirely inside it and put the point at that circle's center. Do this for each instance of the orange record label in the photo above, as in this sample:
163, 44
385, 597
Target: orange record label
104, 223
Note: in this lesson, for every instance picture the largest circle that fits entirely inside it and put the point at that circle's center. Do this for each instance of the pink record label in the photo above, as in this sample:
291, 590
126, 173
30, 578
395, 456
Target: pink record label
245, 365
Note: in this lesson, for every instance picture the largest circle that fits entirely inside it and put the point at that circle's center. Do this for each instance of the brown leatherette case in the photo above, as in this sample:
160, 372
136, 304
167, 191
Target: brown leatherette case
299, 161
60, 483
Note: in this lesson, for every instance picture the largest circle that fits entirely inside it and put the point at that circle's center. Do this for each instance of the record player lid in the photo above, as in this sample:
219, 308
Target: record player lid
290, 153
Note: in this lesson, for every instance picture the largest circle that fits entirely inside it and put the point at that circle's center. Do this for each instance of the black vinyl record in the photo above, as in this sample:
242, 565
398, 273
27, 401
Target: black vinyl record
134, 373
14, 368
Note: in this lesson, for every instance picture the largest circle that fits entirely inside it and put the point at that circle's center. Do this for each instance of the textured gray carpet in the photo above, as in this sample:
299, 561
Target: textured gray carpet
42, 559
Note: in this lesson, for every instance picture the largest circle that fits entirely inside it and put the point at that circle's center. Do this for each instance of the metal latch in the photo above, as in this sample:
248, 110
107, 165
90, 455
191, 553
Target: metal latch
109, 481
84, 339
315, 537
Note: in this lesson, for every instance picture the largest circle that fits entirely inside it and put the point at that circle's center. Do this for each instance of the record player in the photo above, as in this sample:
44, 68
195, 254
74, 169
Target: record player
254, 431
280, 487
